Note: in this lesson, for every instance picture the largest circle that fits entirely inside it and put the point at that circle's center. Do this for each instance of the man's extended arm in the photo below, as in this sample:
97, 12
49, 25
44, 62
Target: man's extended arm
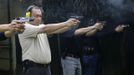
4, 27
85, 30
59, 27
13, 26
90, 30
8, 29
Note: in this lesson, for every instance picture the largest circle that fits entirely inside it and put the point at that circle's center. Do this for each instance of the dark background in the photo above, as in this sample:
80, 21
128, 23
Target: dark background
117, 49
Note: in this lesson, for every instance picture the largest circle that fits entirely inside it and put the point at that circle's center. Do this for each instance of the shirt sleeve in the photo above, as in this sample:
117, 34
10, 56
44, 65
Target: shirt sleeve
31, 31
2, 36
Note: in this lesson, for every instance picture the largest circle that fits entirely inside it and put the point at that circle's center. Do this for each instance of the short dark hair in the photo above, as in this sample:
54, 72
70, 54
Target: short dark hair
29, 9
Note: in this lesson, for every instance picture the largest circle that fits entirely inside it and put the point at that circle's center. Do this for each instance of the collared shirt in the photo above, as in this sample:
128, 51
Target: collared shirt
35, 45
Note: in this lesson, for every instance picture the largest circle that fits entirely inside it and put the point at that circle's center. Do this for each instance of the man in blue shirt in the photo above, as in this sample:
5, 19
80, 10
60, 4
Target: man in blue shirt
71, 48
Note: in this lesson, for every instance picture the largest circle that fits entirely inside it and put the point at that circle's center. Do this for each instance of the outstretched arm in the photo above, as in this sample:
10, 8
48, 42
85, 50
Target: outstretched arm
90, 30
4, 27
61, 30
59, 27
8, 29
85, 30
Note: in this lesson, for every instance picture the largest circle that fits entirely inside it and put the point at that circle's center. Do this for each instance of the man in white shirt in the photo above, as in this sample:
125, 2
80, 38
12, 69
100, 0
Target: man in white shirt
36, 53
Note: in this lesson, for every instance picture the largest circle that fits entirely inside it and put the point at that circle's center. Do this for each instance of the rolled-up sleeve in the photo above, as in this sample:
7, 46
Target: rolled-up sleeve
31, 31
